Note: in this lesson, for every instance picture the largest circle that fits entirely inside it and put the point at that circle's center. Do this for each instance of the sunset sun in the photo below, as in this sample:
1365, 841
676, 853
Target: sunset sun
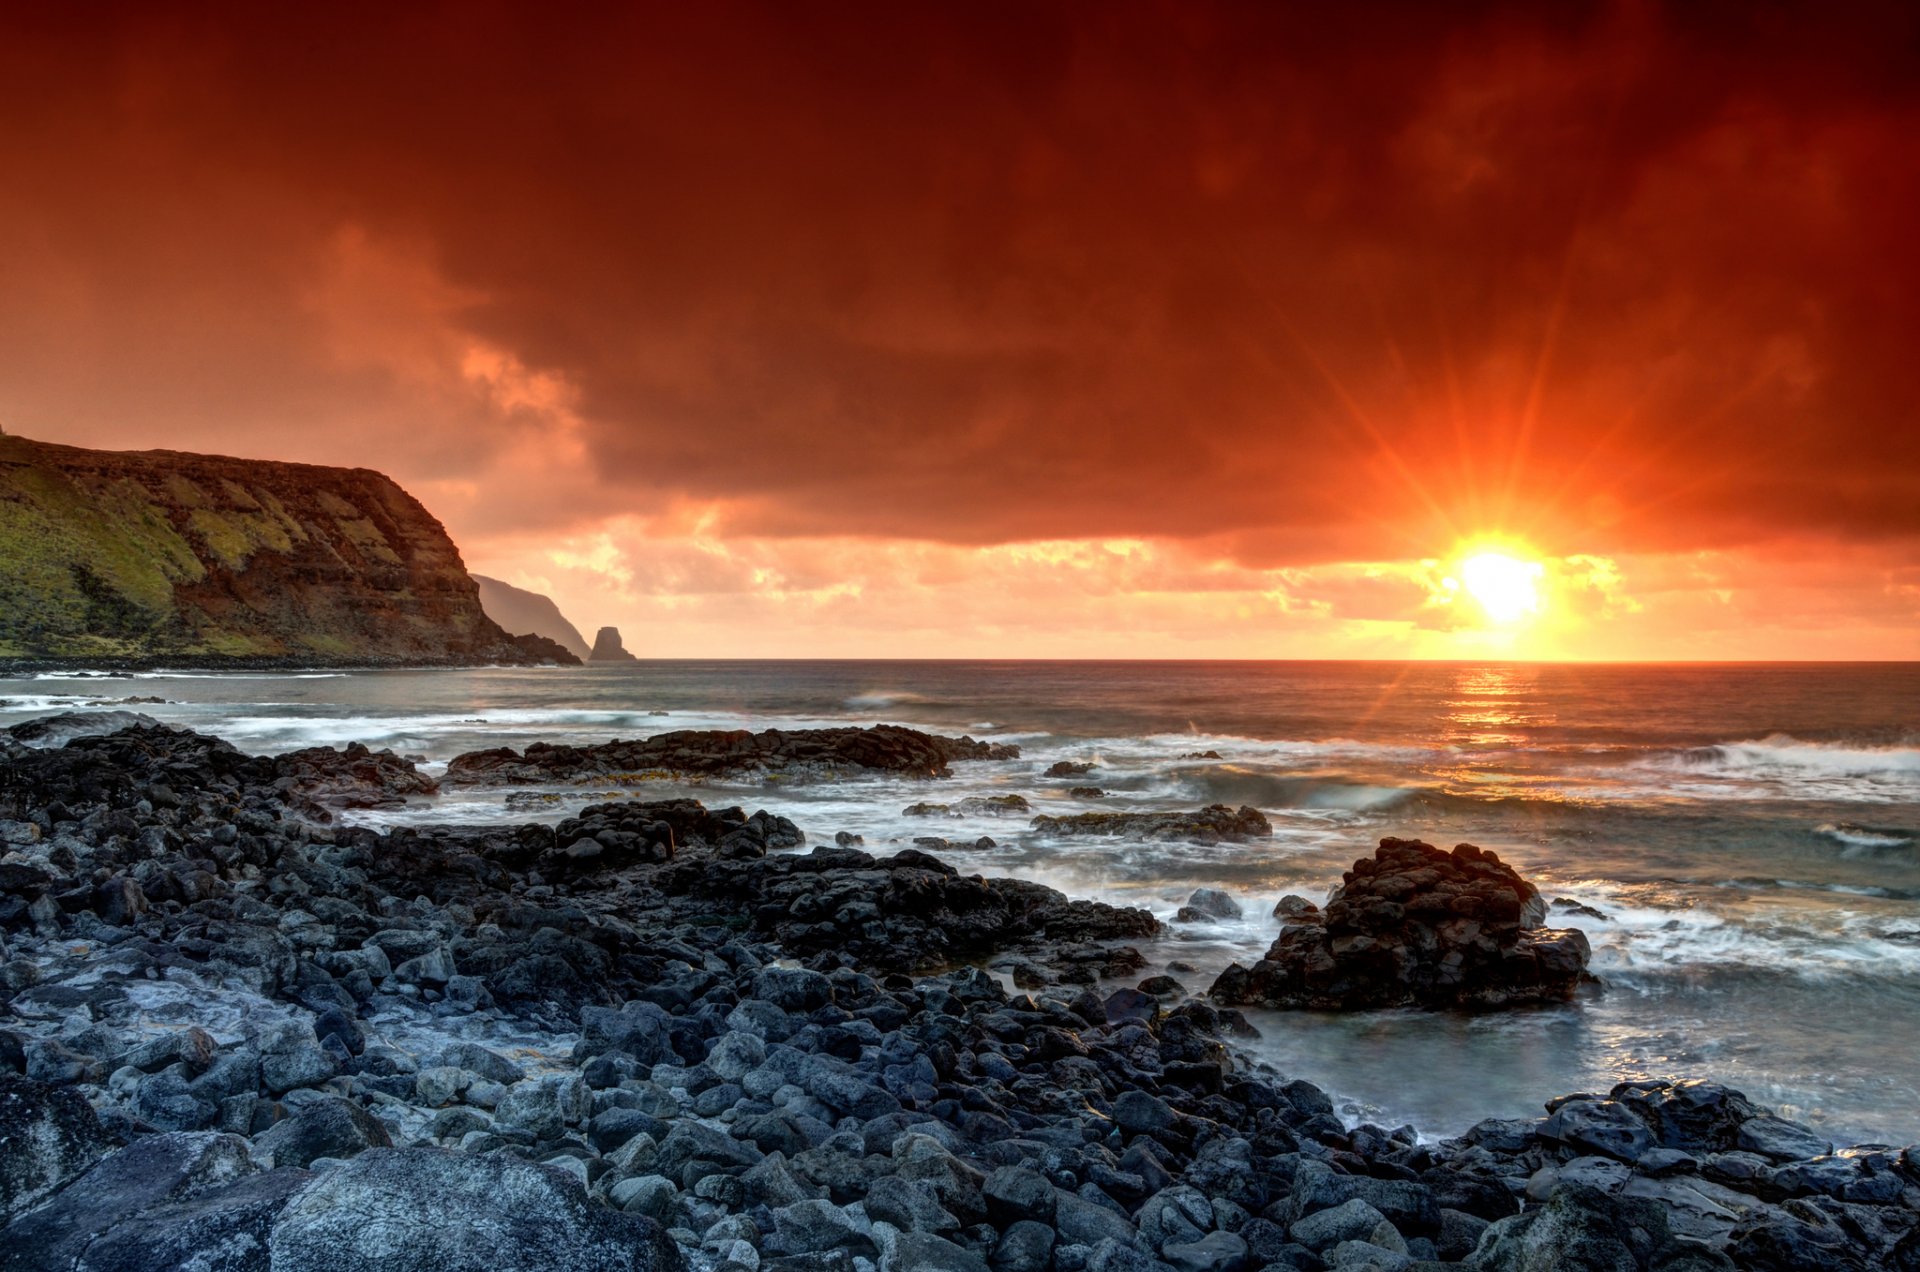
1507, 587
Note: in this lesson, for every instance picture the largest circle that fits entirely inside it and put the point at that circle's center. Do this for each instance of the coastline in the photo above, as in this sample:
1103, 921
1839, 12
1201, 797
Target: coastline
757, 1048
106, 668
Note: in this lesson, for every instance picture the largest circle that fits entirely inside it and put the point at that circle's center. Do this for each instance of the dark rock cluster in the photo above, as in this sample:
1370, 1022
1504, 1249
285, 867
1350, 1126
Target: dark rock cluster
1415, 925
772, 754
1216, 823
236, 1036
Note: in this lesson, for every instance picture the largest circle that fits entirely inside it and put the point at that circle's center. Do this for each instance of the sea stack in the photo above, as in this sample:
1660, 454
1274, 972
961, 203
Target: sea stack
607, 647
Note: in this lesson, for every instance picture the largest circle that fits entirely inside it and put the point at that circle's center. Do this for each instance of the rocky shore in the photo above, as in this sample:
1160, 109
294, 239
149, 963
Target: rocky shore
237, 1032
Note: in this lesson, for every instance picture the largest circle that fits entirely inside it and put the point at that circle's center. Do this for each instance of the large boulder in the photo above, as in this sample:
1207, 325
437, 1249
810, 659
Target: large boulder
154, 1170
48, 1135
402, 1210
1414, 925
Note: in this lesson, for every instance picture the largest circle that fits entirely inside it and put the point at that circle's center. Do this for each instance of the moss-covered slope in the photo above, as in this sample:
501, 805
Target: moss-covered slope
108, 554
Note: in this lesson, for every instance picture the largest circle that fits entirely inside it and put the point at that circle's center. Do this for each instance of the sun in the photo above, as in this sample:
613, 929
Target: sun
1507, 587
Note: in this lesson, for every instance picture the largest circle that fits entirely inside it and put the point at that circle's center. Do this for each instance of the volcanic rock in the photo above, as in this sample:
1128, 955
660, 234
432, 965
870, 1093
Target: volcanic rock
1213, 824
738, 754
1415, 925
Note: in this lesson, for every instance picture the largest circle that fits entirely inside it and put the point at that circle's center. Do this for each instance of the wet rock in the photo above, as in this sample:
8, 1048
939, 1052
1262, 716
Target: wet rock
785, 753
1211, 825
401, 1210
1780, 1139
1207, 905
1600, 1126
1414, 925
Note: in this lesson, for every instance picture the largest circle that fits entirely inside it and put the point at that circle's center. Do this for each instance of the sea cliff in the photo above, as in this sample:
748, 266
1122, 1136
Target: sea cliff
125, 557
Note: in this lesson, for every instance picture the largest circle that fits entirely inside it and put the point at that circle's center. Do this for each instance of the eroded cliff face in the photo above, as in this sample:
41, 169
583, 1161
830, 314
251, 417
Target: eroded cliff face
109, 554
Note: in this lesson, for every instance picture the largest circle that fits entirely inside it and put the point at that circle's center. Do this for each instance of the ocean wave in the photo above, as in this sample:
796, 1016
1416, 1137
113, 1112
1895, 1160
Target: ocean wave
1781, 766
1865, 838
886, 698
1781, 753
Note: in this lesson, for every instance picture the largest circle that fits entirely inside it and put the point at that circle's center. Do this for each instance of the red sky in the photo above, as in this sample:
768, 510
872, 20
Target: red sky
1090, 329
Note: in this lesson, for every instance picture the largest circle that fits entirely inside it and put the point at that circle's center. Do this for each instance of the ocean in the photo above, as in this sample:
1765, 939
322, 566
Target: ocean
1749, 833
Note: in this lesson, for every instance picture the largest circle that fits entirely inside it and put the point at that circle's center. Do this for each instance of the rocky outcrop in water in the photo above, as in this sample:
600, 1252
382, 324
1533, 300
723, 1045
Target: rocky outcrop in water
607, 647
236, 1034
132, 556
1417, 926
774, 754
1213, 824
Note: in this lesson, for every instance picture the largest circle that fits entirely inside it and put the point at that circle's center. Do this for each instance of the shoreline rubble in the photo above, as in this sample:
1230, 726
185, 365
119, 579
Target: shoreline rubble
665, 1036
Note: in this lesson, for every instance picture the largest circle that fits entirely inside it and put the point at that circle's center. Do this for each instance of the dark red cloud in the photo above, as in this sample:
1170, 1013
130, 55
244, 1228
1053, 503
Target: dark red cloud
1324, 281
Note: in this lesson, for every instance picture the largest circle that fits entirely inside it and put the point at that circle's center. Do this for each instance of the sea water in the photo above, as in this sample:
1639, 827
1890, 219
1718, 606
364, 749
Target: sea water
1750, 833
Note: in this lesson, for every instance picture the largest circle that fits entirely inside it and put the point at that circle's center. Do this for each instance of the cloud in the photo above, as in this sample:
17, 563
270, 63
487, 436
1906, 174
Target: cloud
1292, 286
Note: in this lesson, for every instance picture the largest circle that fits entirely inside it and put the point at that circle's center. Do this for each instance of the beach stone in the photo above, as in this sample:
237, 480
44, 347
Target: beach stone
1140, 1113
909, 1205
736, 1054
1081, 1222
1351, 1220
1014, 1193
650, 1195
477, 1059
291, 1056
1366, 1255
1578, 1229
326, 1128
642, 1030
403, 1210
1215, 1252
48, 1135
545, 1106
793, 988
440, 1085
192, 1046
926, 1252
1025, 1246
807, 1227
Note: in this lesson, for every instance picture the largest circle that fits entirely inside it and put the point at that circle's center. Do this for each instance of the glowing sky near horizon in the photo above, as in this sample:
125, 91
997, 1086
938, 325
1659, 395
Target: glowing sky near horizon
1136, 329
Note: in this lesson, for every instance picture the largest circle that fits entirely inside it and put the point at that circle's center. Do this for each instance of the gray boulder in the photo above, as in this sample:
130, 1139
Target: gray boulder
291, 1056
405, 1210
225, 1230
546, 1106
152, 1171
326, 1128
48, 1135
1578, 1229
